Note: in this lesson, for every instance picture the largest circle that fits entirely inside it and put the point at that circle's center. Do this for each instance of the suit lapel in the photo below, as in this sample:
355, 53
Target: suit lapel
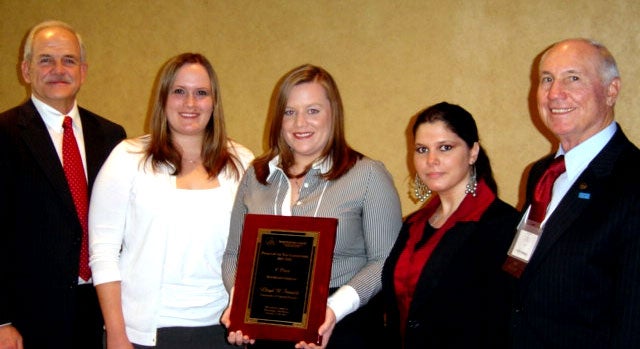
441, 259
580, 195
37, 139
93, 145
564, 216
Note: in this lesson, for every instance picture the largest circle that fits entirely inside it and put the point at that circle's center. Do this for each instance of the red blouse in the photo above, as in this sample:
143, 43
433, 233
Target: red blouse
412, 260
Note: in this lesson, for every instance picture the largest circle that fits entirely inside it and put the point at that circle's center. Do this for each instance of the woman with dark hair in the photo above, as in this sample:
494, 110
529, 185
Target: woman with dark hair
310, 170
443, 285
160, 215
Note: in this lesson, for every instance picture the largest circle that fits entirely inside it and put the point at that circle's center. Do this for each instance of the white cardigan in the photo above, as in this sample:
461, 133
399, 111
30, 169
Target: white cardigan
131, 217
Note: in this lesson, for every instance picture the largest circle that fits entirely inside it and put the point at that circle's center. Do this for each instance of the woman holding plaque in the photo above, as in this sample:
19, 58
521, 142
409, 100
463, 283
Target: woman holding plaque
310, 170
160, 213
442, 283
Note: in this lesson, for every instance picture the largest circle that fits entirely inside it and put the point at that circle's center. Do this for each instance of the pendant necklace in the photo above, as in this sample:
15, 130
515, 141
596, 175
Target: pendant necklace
297, 179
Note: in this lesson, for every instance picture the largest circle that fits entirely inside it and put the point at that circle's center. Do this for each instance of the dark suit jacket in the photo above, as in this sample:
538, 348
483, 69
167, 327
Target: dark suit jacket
461, 299
581, 288
41, 233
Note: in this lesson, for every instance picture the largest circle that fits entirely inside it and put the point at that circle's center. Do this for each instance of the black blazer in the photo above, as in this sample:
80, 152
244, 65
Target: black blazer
462, 295
40, 236
581, 288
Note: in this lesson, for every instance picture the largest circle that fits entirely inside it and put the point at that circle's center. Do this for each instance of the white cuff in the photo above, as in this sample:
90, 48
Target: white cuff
344, 302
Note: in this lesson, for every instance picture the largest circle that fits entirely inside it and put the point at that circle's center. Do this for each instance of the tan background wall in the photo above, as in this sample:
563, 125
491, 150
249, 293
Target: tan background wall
390, 58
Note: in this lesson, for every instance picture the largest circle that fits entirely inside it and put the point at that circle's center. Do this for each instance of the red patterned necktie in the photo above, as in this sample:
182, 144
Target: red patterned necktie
542, 193
539, 203
74, 171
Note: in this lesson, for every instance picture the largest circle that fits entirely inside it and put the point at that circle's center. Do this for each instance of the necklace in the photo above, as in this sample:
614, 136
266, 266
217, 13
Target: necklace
298, 176
297, 181
192, 161
436, 218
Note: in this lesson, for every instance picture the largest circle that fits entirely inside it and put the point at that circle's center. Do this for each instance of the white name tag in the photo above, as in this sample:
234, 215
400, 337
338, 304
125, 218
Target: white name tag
525, 242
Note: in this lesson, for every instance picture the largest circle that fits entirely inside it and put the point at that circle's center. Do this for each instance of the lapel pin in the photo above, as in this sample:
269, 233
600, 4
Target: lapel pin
583, 195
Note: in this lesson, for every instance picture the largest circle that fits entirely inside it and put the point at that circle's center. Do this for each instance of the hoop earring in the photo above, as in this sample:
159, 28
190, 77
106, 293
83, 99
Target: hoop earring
421, 191
472, 186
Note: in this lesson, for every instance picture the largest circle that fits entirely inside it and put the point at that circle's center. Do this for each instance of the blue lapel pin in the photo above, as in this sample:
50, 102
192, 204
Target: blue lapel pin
583, 195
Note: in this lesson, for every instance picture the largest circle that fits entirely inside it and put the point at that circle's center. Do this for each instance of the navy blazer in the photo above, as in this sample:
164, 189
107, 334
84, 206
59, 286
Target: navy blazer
461, 298
581, 288
41, 233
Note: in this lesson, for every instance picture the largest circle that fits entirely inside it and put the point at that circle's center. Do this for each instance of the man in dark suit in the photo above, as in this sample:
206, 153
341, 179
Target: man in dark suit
581, 285
43, 301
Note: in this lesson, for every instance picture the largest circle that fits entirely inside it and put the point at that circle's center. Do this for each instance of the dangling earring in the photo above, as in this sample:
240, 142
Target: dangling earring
473, 183
421, 191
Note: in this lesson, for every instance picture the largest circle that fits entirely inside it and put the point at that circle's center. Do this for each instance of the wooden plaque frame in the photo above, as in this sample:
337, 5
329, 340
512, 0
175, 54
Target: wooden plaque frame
282, 279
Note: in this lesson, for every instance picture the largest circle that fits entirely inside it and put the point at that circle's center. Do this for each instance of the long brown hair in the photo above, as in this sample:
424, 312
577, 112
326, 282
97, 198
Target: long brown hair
161, 150
343, 157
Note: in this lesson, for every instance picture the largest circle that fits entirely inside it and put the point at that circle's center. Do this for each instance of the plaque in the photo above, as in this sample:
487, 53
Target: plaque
282, 279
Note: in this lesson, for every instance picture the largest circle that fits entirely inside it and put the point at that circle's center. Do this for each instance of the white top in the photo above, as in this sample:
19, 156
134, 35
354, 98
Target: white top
164, 244
192, 292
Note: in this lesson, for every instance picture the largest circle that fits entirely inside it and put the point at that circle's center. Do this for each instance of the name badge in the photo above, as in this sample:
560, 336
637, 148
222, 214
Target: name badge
525, 241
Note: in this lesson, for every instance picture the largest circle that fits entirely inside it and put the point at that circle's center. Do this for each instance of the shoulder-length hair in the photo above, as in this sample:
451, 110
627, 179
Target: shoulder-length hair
161, 150
342, 156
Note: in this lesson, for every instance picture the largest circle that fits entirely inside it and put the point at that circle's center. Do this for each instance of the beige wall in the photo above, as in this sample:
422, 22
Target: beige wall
390, 58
